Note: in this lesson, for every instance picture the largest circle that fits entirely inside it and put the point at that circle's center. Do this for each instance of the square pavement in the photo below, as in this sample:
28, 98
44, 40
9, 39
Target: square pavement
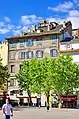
36, 113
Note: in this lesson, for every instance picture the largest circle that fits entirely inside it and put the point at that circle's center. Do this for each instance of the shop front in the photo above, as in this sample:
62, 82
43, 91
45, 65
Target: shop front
69, 101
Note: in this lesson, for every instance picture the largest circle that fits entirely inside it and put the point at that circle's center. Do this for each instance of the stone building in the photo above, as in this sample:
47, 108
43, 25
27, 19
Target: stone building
37, 42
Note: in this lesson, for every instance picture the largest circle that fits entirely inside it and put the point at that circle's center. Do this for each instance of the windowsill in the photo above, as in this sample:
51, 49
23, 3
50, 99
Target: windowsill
39, 57
12, 47
21, 46
39, 44
53, 56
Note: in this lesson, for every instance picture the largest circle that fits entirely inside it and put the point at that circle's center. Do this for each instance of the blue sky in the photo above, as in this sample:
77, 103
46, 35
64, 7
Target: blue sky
17, 15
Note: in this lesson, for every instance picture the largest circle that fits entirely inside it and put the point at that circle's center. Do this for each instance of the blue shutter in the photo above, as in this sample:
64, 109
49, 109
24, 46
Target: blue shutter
39, 41
29, 42
12, 44
21, 43
54, 39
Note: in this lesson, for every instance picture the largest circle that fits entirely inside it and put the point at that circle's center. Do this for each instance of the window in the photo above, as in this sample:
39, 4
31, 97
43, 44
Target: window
12, 55
53, 52
14, 92
21, 92
29, 42
54, 39
39, 54
11, 82
20, 66
12, 68
11, 92
68, 46
21, 43
12, 44
22, 55
39, 41
30, 54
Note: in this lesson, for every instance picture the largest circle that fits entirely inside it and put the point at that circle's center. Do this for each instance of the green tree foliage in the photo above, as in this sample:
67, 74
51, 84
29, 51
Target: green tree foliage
47, 83
25, 78
3, 74
66, 75
59, 74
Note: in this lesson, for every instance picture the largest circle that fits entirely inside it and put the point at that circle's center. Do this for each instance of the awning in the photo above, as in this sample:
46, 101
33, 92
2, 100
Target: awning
68, 98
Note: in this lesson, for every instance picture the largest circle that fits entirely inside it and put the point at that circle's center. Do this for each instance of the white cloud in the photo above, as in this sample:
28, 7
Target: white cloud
7, 19
10, 26
54, 19
2, 24
74, 20
25, 20
29, 19
24, 28
74, 13
4, 31
18, 27
64, 7
16, 32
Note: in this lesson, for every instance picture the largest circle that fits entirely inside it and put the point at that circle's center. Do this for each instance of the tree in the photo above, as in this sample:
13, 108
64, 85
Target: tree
4, 75
66, 77
47, 83
37, 75
24, 78
59, 74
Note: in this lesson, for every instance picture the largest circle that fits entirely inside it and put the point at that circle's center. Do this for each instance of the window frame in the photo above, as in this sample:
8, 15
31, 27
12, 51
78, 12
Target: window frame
12, 69
11, 82
29, 42
32, 54
22, 56
12, 44
21, 44
39, 41
42, 52
53, 52
12, 55
54, 40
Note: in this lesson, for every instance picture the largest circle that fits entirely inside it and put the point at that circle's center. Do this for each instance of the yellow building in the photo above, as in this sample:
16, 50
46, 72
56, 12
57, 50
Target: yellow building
4, 53
4, 56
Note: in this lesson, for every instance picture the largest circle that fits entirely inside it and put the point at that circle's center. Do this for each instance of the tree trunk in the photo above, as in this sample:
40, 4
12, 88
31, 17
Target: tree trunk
48, 100
29, 99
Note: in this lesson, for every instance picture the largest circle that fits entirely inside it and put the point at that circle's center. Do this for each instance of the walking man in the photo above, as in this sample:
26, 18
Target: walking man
7, 110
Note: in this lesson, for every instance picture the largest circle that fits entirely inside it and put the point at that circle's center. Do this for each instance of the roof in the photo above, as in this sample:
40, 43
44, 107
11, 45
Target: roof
72, 41
75, 29
29, 35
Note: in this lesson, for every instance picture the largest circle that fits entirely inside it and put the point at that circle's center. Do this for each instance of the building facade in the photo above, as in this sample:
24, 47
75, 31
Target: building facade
72, 48
75, 32
4, 53
37, 42
4, 57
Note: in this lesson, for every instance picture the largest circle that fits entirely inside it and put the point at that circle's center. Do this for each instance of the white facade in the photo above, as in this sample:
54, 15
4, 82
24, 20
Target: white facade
73, 48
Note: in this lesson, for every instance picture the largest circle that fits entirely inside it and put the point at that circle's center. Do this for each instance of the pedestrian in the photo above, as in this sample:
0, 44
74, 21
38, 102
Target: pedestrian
7, 109
47, 105
39, 103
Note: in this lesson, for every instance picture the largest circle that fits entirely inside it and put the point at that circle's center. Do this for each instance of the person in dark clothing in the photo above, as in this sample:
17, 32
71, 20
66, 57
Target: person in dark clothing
47, 105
